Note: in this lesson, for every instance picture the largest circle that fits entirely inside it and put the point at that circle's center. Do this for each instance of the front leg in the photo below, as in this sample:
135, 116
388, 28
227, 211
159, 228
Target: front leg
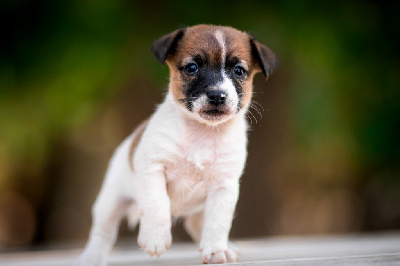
155, 214
219, 209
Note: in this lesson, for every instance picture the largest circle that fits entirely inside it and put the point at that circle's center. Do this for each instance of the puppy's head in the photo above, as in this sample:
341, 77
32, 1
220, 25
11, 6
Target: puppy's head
212, 69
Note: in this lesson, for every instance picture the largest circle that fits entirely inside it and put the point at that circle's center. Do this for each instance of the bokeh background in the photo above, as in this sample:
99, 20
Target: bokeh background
76, 77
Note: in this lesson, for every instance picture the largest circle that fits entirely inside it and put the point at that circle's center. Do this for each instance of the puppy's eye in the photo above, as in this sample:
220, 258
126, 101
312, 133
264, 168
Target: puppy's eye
239, 71
191, 68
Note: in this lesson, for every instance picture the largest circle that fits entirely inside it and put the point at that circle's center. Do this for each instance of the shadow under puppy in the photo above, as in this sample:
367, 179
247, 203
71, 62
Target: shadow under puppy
187, 159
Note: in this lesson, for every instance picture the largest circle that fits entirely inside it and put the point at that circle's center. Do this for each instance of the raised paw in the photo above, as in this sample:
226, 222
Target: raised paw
220, 256
154, 242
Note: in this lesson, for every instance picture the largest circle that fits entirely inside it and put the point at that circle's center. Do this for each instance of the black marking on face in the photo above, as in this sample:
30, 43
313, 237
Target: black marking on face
208, 76
187, 103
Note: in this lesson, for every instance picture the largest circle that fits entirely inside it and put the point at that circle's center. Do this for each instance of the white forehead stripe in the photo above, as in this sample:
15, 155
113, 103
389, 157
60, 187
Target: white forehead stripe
220, 38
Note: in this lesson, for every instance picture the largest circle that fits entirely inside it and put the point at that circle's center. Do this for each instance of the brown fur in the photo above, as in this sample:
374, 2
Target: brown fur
135, 141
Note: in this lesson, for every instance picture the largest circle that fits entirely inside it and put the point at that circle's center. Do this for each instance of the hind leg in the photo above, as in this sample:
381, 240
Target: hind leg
108, 211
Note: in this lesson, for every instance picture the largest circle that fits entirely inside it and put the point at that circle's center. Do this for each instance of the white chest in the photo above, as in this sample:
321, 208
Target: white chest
189, 177
195, 157
199, 167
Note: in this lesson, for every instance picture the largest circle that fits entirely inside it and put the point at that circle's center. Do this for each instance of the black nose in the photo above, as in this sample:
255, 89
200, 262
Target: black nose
216, 97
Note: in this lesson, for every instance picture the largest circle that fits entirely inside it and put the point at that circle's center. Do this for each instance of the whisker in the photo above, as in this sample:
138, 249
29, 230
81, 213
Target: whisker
253, 116
257, 110
259, 105
251, 120
254, 106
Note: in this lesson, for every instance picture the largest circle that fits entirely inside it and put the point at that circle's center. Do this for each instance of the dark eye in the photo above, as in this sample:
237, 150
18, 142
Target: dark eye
239, 71
191, 68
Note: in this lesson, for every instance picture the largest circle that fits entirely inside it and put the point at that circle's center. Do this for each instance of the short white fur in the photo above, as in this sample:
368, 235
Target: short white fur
219, 35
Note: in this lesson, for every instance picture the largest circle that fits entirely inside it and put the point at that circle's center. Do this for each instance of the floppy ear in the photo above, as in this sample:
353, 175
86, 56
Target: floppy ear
264, 57
166, 45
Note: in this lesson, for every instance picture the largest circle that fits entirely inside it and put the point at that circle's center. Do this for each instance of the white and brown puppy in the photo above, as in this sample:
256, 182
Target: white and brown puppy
187, 159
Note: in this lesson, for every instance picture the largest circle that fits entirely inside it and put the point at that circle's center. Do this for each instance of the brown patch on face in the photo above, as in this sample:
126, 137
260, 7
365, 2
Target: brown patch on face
136, 139
198, 41
201, 42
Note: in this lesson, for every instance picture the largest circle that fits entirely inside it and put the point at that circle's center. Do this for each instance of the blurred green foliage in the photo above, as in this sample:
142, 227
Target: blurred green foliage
57, 61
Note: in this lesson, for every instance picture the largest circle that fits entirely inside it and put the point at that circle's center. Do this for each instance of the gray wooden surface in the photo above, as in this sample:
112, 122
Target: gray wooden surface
371, 249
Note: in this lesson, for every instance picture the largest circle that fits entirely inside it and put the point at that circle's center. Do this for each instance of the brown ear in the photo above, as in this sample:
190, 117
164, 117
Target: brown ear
166, 45
264, 57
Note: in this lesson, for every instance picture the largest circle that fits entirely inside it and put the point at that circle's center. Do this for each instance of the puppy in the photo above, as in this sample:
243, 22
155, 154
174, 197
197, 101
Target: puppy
187, 158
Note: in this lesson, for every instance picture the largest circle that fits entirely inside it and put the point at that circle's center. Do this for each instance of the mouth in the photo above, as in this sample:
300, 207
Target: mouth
214, 112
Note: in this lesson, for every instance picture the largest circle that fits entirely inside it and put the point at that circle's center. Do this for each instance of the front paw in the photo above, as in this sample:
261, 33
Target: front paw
216, 255
154, 240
